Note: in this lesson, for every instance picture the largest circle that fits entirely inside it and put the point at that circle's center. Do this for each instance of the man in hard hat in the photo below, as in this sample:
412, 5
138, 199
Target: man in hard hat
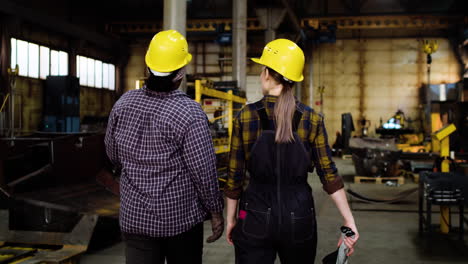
161, 141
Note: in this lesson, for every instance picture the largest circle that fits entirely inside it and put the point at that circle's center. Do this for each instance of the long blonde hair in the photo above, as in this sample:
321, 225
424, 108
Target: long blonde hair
284, 109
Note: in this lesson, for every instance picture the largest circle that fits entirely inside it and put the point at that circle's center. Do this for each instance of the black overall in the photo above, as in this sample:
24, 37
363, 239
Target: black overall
277, 209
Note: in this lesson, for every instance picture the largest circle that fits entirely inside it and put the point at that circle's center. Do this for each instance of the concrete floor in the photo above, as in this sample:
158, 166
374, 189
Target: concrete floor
386, 236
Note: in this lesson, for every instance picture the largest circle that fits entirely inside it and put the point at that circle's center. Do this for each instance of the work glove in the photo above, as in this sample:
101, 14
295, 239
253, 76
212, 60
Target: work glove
217, 226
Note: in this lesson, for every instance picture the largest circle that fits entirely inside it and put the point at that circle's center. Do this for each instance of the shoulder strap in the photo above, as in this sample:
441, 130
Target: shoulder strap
265, 122
296, 119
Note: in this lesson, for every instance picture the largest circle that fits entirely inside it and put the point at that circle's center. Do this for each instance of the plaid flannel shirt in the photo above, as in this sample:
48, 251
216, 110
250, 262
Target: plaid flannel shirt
311, 130
164, 147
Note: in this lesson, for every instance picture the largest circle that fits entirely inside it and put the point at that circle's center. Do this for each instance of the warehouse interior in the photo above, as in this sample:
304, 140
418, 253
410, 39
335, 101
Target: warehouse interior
389, 77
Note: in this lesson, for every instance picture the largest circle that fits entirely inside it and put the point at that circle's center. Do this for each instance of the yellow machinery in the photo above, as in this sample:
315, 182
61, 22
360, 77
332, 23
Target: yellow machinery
442, 137
220, 113
202, 87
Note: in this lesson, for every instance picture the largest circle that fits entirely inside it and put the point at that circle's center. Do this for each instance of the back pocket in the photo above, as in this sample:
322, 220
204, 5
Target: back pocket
303, 227
256, 222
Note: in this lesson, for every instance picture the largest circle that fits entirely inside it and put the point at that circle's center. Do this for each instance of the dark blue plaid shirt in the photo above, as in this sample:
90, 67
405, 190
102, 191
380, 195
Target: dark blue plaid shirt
163, 145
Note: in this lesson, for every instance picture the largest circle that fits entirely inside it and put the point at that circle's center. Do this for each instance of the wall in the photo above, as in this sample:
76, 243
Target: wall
135, 68
29, 103
376, 77
96, 102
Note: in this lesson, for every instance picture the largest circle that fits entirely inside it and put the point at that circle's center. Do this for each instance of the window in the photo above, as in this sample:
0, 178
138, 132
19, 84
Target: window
13, 54
81, 70
37, 61
95, 73
22, 57
54, 62
44, 66
63, 63
98, 79
105, 75
91, 73
33, 60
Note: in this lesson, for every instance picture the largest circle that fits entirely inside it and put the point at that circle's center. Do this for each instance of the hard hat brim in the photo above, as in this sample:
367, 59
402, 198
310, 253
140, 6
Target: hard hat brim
259, 61
187, 60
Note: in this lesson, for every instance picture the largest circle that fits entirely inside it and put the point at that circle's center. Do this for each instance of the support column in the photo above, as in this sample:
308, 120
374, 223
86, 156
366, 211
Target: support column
270, 19
311, 77
175, 17
4, 65
239, 41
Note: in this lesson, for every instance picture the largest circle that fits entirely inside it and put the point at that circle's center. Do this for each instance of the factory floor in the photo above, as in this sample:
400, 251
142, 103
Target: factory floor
388, 232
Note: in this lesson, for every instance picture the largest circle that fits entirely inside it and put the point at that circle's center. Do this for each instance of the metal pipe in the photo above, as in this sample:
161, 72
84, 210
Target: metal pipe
12, 111
230, 117
311, 78
239, 40
30, 139
4, 102
30, 175
52, 153
204, 57
195, 59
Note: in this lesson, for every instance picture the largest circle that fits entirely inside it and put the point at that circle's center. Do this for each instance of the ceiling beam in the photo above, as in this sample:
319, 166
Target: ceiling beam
384, 21
59, 26
341, 22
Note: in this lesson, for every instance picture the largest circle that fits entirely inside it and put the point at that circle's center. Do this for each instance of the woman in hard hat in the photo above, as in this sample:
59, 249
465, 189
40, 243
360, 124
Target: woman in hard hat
278, 140
161, 140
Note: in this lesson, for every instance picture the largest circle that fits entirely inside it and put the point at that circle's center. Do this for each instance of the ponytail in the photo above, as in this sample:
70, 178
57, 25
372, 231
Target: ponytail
284, 109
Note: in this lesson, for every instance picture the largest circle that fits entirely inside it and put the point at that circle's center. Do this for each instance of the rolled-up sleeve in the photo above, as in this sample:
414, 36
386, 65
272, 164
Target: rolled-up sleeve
322, 158
236, 170
200, 159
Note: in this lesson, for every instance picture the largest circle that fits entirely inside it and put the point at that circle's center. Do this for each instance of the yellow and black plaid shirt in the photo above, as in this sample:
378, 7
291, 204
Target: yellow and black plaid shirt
311, 130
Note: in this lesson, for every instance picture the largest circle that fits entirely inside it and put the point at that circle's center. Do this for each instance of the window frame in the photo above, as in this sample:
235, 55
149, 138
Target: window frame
14, 59
102, 71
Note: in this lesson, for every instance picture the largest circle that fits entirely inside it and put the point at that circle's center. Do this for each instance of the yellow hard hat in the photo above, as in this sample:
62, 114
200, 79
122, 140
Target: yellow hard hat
285, 57
167, 52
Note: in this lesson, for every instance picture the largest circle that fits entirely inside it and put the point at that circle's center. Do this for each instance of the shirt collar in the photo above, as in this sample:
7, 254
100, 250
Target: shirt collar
170, 94
270, 98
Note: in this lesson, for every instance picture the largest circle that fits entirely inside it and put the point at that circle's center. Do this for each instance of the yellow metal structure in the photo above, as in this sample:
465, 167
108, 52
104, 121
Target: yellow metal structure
444, 133
383, 22
413, 148
203, 87
430, 46
442, 136
413, 143
436, 124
